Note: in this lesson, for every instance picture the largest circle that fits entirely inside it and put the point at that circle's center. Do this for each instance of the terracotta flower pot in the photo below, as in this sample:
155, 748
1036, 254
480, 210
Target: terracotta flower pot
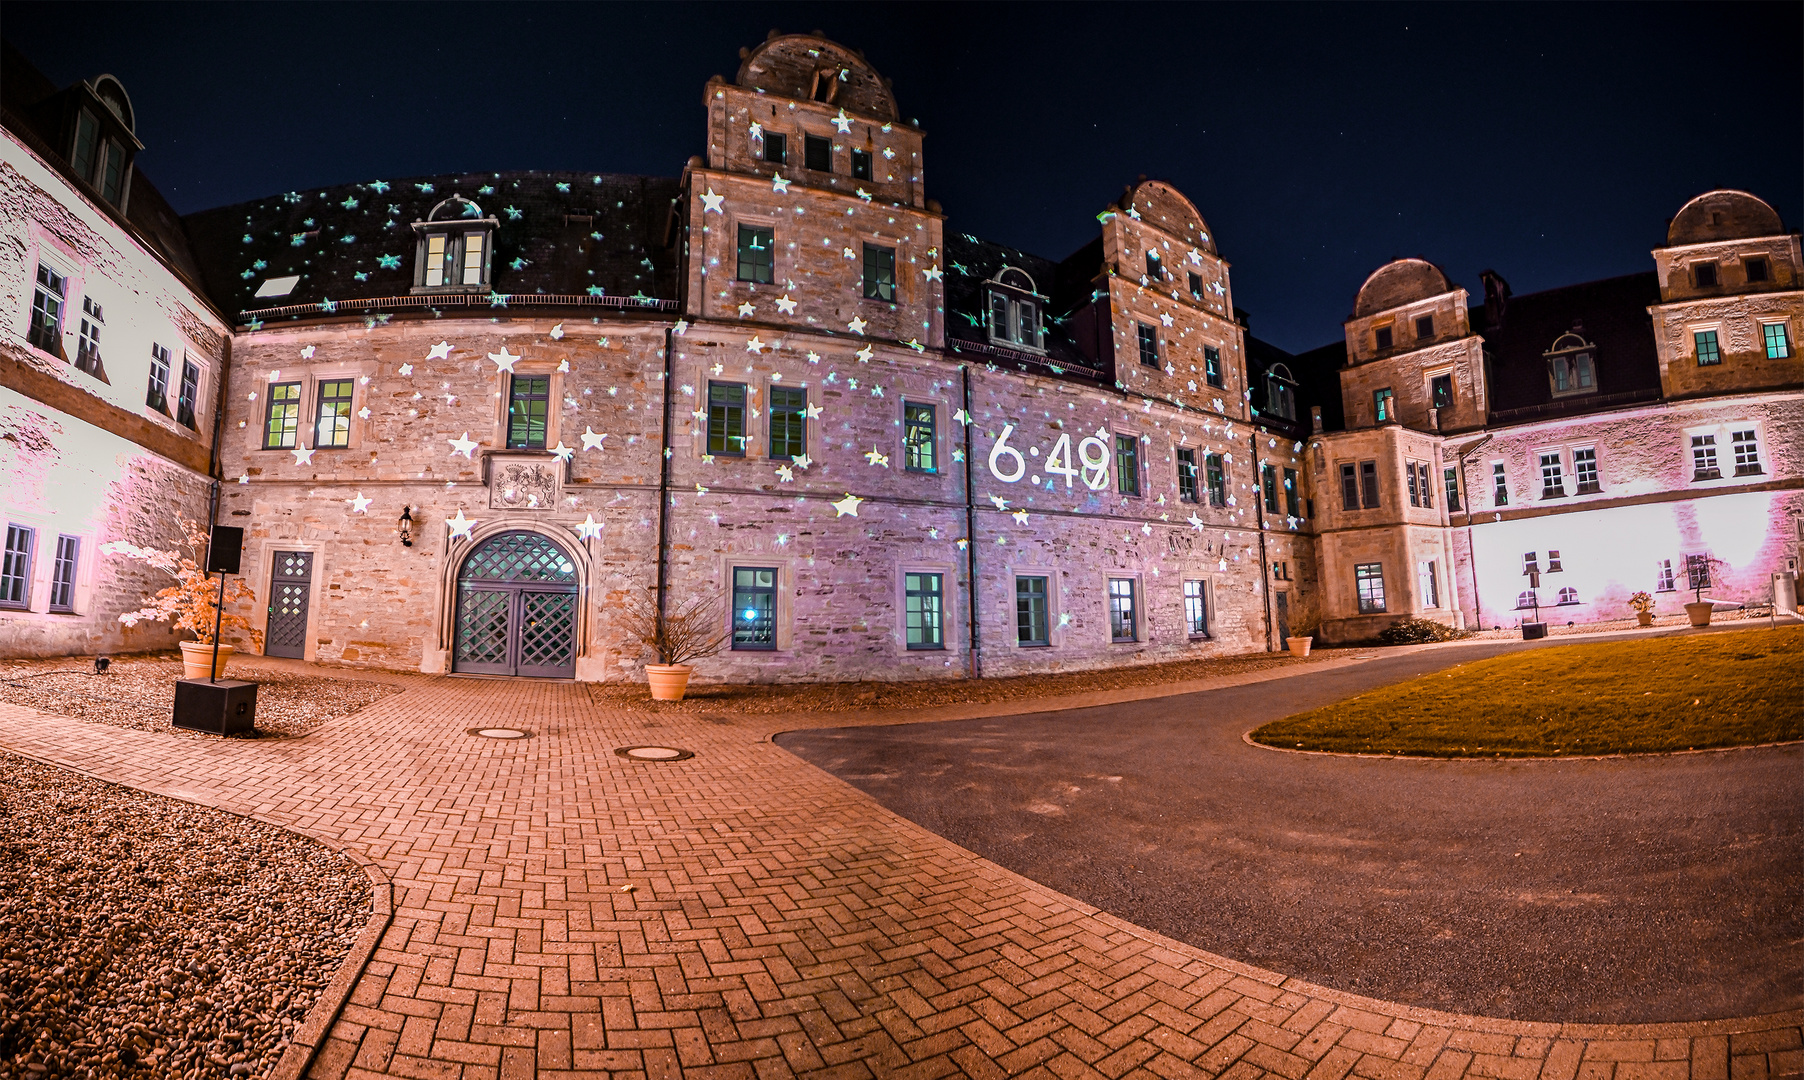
196, 655
1699, 612
1645, 618
1299, 646
668, 681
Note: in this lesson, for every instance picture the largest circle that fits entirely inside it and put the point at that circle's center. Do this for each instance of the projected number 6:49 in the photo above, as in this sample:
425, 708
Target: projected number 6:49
1008, 466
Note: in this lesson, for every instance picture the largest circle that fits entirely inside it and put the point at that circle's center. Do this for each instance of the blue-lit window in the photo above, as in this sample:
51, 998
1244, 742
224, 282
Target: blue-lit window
754, 607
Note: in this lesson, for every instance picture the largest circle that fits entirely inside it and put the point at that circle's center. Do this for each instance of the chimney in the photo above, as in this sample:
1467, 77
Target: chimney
1315, 418
1497, 297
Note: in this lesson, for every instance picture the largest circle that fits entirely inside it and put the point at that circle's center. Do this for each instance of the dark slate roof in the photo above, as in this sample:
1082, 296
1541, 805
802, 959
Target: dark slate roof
559, 233
1611, 314
969, 263
1261, 355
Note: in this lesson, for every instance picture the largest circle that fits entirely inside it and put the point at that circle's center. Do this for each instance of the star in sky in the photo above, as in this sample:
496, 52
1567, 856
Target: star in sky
460, 525
756, 345
814, 411
711, 202
504, 360
592, 441
933, 273
588, 528
786, 305
1020, 517
463, 446
785, 473
302, 455
847, 506
1000, 502
843, 123
562, 452
360, 504
746, 308
876, 457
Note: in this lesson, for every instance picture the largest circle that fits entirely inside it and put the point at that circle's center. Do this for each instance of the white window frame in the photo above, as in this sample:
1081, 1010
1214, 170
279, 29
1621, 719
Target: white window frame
1723, 435
1537, 457
1578, 483
1784, 327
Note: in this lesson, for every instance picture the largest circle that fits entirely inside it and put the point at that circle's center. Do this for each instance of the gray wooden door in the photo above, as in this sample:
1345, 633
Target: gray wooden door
516, 609
1284, 618
289, 584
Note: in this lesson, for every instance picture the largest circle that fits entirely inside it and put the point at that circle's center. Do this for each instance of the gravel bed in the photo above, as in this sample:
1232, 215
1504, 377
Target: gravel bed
145, 937
139, 692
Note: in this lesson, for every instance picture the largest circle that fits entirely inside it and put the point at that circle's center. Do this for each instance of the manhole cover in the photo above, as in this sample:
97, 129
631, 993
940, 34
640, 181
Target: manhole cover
654, 753
500, 733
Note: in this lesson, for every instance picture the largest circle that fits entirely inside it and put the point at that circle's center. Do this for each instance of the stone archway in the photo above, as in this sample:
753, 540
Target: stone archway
516, 608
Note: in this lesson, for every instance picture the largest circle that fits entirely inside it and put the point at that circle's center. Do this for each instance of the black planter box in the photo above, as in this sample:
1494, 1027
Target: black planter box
226, 707
1533, 630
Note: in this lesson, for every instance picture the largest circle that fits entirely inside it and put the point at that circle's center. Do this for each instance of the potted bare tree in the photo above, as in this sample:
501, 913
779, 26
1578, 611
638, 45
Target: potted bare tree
1701, 569
1643, 605
1302, 636
192, 603
695, 630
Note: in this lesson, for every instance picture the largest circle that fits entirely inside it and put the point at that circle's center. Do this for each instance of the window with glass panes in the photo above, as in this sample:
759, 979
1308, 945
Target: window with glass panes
87, 349
775, 147
1747, 453
1196, 613
1382, 338
1428, 584
1369, 578
1573, 374
1384, 405
1127, 464
1268, 480
1663, 576
1217, 478
1440, 391
817, 153
924, 611
1450, 477
62, 574
1704, 273
1123, 620
1703, 458
861, 164
186, 401
157, 396
1368, 484
1553, 482
87, 137
1032, 625
918, 438
1196, 284
755, 258
726, 418
1708, 352
754, 607
1584, 469
47, 303
15, 567
1778, 346
1527, 599
284, 416
453, 259
1409, 476
879, 273
1155, 266
528, 410
1500, 485
1349, 488
332, 419
1293, 499
1697, 571
1149, 346
788, 422
1187, 485
1212, 366
1423, 483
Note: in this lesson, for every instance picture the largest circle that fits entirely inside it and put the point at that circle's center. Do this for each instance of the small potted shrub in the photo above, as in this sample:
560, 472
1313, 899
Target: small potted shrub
1302, 636
694, 631
192, 603
1702, 569
1643, 604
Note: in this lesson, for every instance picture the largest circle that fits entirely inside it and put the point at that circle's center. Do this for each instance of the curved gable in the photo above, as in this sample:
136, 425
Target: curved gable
1724, 214
1399, 282
787, 65
1166, 207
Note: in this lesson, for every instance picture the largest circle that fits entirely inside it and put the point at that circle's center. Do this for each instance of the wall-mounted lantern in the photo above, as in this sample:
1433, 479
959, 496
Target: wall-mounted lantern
407, 526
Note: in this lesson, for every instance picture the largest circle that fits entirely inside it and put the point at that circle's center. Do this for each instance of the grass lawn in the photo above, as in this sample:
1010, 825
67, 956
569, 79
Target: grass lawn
1738, 688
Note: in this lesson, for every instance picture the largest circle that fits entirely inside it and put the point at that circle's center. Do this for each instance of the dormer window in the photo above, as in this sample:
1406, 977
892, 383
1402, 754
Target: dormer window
1014, 308
455, 248
1280, 392
103, 143
1571, 366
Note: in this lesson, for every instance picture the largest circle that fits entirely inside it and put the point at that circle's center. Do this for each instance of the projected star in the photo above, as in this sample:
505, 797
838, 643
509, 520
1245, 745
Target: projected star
307, 353
360, 504
847, 506
864, 355
779, 185
785, 473
933, 273
562, 452
302, 455
745, 309
711, 202
504, 360
756, 345
814, 411
786, 305
588, 528
441, 351
557, 332
460, 525
1020, 517
592, 441
463, 445
843, 123
1000, 502
857, 325
876, 457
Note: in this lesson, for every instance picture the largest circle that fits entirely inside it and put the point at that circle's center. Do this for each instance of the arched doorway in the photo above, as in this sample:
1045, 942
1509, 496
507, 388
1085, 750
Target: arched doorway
516, 608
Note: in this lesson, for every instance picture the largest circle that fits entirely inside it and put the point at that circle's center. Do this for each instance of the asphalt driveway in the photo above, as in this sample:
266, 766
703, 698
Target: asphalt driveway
1610, 891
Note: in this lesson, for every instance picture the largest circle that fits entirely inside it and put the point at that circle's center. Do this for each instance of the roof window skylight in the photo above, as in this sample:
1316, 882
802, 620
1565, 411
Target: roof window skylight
277, 286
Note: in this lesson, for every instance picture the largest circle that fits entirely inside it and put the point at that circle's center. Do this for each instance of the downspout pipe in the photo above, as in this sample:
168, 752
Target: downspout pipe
664, 453
213, 463
1265, 585
1471, 551
975, 664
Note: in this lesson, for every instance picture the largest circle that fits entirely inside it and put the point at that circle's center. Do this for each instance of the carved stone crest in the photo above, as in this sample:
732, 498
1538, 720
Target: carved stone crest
524, 482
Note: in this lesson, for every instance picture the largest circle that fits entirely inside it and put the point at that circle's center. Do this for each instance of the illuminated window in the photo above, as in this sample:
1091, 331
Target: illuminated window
1349, 488
879, 273
1777, 346
1754, 267
453, 247
1187, 485
1429, 584
755, 254
1384, 406
788, 422
1584, 470
726, 419
1196, 611
1703, 458
157, 397
87, 349
528, 408
1708, 352
861, 164
1292, 498
1747, 453
1382, 337
817, 153
1553, 482
1703, 274
1424, 327
47, 303
1369, 578
15, 567
1155, 267
1212, 366
332, 424
1217, 479
1368, 484
1500, 485
918, 438
62, 574
1127, 465
1450, 477
1440, 391
754, 607
776, 147
1031, 622
1014, 309
925, 613
1663, 578
284, 418
1280, 392
188, 398
1149, 346
1196, 284
1123, 620
1268, 480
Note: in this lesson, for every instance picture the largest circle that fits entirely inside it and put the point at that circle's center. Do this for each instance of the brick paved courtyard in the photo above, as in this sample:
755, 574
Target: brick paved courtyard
559, 909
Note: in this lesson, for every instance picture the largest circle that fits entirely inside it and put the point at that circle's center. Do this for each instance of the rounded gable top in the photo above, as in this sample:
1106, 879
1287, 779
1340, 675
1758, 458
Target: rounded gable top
1724, 214
1399, 282
794, 65
112, 93
1166, 207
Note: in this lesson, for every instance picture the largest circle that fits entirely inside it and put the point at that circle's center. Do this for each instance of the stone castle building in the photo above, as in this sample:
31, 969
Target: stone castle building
479, 422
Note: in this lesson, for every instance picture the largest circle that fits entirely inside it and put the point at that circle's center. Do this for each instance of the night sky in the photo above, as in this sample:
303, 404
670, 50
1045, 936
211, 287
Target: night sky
1548, 142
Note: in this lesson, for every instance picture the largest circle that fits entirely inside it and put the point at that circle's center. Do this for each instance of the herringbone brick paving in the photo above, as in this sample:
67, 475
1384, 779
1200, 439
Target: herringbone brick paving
562, 911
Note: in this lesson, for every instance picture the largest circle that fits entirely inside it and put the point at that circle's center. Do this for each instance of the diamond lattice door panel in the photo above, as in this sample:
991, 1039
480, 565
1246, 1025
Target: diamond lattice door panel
289, 585
483, 641
519, 556
516, 609
547, 634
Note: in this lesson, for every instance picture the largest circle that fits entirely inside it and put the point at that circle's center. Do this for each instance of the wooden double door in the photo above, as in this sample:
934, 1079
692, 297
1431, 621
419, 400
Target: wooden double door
517, 609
